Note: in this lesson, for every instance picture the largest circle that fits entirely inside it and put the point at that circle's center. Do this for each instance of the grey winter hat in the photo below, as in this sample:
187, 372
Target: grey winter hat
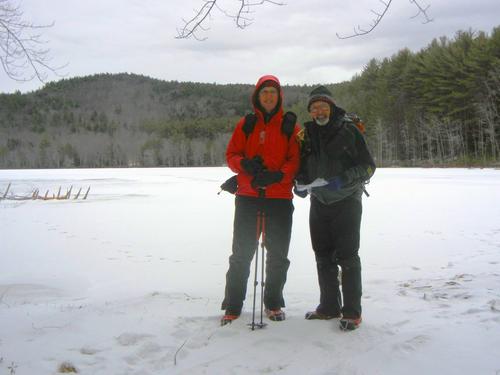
320, 93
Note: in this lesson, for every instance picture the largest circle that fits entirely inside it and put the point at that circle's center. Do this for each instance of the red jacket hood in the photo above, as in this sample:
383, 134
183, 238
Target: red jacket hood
255, 95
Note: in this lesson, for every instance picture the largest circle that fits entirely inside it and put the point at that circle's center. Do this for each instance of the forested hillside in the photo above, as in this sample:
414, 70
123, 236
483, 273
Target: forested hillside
439, 106
122, 120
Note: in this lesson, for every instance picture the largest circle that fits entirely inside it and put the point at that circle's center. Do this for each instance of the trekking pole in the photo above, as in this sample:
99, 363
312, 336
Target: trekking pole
252, 325
255, 283
263, 261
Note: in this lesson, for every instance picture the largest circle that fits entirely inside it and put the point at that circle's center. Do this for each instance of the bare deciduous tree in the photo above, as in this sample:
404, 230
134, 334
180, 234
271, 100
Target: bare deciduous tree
23, 52
197, 24
488, 111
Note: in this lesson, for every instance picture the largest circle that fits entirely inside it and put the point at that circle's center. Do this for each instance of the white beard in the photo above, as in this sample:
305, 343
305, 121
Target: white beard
321, 121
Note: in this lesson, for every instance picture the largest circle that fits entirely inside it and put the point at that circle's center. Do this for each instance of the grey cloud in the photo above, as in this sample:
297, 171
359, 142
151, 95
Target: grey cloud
297, 42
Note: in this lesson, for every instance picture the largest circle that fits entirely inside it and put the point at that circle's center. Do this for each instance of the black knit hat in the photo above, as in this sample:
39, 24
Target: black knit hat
320, 93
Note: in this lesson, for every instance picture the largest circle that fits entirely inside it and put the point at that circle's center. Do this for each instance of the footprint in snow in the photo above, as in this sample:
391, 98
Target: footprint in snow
272, 342
412, 344
129, 339
431, 232
87, 350
200, 327
464, 277
148, 349
323, 345
473, 311
494, 305
400, 323
272, 369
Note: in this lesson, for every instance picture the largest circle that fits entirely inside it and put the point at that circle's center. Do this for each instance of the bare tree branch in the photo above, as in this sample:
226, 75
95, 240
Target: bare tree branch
194, 24
242, 20
422, 11
242, 17
23, 54
358, 31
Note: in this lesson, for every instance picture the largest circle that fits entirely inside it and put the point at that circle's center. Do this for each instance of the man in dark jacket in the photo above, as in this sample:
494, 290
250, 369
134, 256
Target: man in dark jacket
335, 164
266, 160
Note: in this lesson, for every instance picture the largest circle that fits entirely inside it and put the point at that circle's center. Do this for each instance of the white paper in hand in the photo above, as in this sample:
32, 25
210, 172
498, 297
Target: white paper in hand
316, 183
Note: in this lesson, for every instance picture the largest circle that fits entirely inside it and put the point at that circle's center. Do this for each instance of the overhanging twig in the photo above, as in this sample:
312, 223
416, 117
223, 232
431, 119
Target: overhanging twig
22, 48
197, 23
359, 31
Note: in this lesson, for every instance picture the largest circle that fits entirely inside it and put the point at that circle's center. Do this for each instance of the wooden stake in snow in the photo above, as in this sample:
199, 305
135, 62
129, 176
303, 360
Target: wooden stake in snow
6, 191
35, 194
78, 194
68, 194
87, 193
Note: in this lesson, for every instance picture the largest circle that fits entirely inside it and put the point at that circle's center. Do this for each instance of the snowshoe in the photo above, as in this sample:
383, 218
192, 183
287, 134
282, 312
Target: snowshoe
349, 324
228, 318
276, 315
315, 315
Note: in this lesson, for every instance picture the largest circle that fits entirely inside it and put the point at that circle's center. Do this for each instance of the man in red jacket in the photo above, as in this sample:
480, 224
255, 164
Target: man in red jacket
266, 160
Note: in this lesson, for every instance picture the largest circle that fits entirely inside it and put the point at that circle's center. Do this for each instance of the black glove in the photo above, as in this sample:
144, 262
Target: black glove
266, 178
230, 185
301, 193
335, 183
252, 166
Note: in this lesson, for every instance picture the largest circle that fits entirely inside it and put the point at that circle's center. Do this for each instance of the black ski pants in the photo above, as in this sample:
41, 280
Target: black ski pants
335, 240
278, 227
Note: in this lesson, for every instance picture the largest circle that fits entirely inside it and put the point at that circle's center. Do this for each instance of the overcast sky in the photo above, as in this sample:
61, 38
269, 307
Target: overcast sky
296, 42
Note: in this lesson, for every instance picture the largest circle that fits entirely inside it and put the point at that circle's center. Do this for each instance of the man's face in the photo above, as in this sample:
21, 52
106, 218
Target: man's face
320, 112
268, 98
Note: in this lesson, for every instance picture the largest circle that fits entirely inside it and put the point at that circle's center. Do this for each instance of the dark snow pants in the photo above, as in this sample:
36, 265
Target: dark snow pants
278, 227
335, 239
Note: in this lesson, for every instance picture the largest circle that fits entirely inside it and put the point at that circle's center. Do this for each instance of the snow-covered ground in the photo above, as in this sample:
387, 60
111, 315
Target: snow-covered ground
130, 280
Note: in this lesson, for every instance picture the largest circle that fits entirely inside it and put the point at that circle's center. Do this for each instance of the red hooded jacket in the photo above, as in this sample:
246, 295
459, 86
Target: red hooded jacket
278, 151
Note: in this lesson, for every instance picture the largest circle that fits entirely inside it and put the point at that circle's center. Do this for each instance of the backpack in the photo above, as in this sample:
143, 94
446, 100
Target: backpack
357, 122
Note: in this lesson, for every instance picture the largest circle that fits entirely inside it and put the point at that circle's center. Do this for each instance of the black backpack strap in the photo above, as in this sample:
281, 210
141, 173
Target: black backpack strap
249, 125
288, 124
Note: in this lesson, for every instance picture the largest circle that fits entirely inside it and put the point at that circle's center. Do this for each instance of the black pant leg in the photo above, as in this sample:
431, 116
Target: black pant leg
243, 250
278, 226
322, 238
346, 242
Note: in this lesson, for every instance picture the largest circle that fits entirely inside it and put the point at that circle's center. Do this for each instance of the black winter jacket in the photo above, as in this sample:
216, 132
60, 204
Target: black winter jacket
336, 149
